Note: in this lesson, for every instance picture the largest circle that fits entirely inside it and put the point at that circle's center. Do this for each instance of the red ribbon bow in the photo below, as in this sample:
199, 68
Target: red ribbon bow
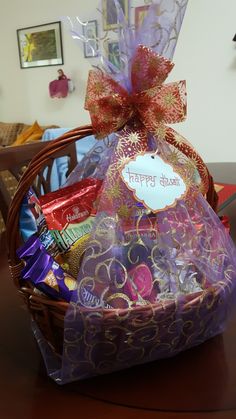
153, 102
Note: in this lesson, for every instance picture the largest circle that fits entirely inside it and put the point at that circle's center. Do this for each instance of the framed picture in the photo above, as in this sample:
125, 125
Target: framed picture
40, 46
90, 33
113, 53
110, 13
140, 13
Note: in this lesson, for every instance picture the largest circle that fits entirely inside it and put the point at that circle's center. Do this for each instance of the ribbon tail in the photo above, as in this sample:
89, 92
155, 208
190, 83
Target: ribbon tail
130, 142
164, 104
180, 143
148, 69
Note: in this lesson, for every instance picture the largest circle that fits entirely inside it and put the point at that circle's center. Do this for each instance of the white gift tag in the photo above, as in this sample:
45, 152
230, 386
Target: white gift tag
153, 181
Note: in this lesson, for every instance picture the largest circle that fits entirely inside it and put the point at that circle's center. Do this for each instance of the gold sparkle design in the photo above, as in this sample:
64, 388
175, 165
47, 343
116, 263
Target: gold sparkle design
98, 87
152, 92
169, 100
124, 211
174, 157
190, 165
160, 132
179, 139
134, 138
114, 192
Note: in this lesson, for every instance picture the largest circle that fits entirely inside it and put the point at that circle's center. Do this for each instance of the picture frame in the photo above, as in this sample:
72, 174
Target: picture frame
113, 53
140, 13
110, 13
90, 34
40, 46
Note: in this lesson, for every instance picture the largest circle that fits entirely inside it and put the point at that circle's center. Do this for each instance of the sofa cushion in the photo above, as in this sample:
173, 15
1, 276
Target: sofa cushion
43, 127
33, 133
9, 132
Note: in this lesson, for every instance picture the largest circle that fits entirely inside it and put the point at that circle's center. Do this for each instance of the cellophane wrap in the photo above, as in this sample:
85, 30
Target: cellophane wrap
151, 283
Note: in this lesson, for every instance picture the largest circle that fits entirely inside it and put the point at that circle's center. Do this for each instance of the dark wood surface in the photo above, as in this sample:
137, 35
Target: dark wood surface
199, 383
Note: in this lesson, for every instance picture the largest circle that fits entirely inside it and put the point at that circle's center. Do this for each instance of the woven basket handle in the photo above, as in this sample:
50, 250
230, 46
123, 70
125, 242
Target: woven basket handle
36, 164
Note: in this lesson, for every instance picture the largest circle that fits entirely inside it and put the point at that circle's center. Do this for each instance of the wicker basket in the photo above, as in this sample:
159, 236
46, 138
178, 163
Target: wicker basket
49, 314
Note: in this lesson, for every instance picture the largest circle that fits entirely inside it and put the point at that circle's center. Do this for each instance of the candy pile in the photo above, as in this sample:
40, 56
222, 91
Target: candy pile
53, 256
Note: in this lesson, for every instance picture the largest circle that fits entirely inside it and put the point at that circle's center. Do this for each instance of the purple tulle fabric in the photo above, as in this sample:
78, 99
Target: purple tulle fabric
185, 248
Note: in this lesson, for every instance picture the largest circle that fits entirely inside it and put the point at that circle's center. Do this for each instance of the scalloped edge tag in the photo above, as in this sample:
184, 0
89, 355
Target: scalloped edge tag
153, 181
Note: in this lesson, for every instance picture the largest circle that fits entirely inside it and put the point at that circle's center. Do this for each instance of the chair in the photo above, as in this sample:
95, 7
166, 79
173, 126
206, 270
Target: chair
13, 162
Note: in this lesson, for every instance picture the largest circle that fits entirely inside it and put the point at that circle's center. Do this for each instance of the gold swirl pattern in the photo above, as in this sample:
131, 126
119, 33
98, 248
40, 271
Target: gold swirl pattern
114, 330
126, 337
118, 318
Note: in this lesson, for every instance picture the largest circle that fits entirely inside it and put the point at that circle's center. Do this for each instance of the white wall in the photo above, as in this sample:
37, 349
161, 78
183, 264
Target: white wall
205, 57
24, 92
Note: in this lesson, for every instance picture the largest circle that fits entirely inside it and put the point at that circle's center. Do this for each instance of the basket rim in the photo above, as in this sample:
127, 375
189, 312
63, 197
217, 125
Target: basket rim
189, 301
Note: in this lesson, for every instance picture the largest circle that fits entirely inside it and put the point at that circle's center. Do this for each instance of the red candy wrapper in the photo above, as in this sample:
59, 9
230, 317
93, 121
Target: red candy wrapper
69, 213
70, 205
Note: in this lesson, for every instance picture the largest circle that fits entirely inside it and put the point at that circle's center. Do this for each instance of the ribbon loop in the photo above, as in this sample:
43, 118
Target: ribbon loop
108, 104
148, 69
155, 103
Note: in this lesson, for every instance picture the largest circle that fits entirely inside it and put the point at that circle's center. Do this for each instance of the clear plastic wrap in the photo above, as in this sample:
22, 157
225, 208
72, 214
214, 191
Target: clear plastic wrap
156, 278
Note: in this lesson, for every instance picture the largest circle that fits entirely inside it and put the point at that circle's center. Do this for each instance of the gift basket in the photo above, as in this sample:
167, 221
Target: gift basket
130, 262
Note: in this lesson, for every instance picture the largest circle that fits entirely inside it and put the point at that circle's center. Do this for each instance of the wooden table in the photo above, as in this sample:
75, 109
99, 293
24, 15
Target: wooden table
199, 383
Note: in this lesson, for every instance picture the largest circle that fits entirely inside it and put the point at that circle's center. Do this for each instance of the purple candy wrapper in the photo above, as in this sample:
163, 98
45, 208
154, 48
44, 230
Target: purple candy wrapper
30, 247
48, 276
